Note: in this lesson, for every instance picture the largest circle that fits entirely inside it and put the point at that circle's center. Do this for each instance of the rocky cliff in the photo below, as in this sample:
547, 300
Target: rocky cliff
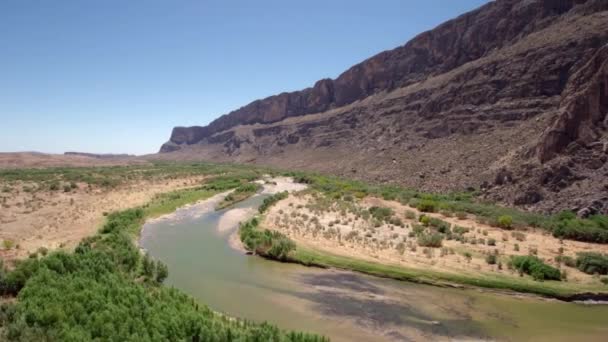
510, 99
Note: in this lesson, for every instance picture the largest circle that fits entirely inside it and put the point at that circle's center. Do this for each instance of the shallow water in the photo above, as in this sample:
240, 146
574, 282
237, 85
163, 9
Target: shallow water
347, 306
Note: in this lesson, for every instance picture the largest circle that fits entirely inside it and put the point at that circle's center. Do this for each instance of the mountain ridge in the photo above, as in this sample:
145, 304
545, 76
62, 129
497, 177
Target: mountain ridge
510, 66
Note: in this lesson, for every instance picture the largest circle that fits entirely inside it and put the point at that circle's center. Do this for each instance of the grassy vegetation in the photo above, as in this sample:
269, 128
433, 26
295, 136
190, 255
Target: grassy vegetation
535, 267
563, 225
266, 243
592, 263
106, 290
554, 289
241, 193
269, 201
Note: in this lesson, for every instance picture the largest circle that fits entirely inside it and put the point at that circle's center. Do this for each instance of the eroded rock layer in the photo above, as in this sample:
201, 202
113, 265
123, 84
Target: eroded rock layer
510, 99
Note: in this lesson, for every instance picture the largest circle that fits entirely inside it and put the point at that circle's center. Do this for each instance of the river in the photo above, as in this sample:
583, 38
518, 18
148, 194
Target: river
346, 306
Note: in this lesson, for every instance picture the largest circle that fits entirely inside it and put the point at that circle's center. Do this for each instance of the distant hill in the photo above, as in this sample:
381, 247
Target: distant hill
510, 99
100, 156
38, 160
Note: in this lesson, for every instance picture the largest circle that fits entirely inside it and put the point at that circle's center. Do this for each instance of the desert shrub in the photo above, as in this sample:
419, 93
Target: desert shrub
592, 263
566, 260
505, 221
461, 215
410, 215
593, 229
54, 186
440, 225
430, 240
8, 244
269, 201
491, 242
535, 267
519, 236
604, 280
460, 230
427, 206
491, 259
424, 220
381, 213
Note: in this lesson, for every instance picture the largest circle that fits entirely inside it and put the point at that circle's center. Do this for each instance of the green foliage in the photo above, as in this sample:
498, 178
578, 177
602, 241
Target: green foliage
535, 267
266, 243
505, 222
95, 294
592, 263
269, 201
593, 229
441, 225
381, 213
410, 215
491, 259
430, 240
427, 206
566, 260
8, 244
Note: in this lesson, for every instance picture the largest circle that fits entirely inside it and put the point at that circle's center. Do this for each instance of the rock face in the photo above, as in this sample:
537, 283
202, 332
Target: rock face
508, 95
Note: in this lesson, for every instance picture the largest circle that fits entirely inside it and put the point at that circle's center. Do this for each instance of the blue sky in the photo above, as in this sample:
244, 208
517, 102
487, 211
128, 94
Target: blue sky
115, 76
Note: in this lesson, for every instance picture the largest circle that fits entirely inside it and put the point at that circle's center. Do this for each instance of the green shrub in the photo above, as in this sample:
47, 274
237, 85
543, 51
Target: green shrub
410, 215
427, 206
505, 222
566, 260
592, 263
265, 243
381, 213
425, 220
8, 244
535, 267
430, 240
491, 242
491, 259
440, 225
269, 201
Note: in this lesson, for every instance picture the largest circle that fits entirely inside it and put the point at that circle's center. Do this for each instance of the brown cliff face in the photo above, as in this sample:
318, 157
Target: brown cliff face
516, 87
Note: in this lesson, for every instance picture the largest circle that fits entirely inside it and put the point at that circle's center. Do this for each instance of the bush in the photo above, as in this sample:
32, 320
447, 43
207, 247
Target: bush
491, 259
505, 222
566, 260
440, 225
427, 206
491, 242
535, 267
592, 263
8, 244
430, 240
424, 220
410, 215
265, 243
381, 213
269, 201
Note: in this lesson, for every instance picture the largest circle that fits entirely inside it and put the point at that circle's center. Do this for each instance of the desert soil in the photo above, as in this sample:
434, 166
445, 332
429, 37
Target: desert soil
58, 219
338, 227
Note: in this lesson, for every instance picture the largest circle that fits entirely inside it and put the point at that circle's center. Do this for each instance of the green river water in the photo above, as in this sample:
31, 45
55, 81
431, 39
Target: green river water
346, 306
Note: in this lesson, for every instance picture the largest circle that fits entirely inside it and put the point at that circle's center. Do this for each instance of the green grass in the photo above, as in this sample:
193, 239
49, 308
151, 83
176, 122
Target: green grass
241, 193
553, 289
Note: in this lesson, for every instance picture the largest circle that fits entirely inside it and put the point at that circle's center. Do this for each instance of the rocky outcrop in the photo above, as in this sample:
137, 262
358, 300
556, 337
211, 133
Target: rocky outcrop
448, 46
512, 95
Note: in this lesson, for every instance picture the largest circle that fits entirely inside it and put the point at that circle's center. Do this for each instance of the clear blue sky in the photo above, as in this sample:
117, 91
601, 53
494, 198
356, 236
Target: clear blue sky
116, 75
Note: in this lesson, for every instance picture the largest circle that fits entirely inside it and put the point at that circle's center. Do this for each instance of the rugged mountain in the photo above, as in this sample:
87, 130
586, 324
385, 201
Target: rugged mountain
511, 99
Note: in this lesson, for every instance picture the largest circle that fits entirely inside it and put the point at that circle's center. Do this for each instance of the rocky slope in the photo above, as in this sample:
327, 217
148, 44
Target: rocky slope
511, 99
